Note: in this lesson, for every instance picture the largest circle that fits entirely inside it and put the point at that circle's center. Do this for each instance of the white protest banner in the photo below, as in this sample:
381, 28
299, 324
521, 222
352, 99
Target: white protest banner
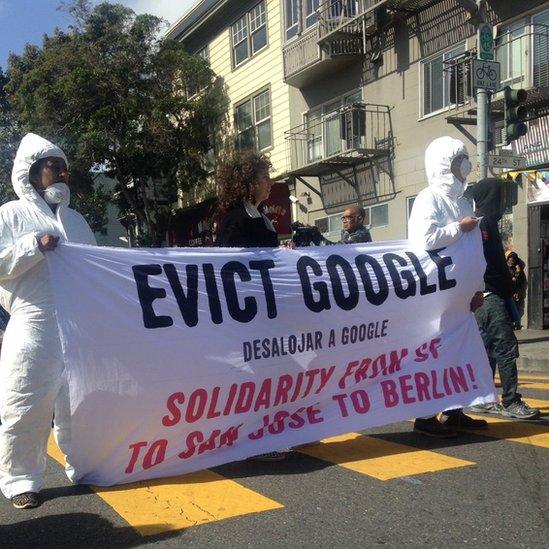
184, 359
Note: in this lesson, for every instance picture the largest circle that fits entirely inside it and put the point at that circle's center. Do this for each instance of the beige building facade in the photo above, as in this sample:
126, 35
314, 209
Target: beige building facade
358, 88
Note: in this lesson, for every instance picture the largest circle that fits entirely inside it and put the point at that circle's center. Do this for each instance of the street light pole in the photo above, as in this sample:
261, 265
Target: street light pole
482, 131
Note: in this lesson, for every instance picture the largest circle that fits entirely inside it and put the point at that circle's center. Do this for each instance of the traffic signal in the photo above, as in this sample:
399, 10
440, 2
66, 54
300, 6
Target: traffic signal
515, 114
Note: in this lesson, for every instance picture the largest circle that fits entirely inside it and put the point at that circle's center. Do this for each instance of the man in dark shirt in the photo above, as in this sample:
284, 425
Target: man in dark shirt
353, 225
493, 318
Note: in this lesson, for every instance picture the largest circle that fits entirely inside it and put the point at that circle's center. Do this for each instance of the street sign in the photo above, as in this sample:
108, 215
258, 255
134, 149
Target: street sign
485, 40
486, 75
506, 161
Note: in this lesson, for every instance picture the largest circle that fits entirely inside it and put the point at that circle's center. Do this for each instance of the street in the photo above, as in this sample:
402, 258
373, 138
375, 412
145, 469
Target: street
386, 486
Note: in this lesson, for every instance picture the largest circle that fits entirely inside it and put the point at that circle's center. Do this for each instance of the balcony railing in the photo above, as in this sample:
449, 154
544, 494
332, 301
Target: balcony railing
524, 63
301, 53
356, 17
342, 137
524, 57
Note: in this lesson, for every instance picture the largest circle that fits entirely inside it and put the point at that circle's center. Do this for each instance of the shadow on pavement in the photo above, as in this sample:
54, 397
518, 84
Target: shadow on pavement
72, 490
74, 530
295, 464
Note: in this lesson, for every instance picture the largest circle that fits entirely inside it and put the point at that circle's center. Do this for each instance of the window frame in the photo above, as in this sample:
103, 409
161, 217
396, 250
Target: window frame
251, 99
310, 17
323, 107
445, 80
368, 222
248, 39
296, 24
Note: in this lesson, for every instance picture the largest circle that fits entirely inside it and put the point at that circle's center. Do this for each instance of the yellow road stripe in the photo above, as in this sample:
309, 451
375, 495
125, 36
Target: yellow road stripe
534, 384
379, 458
164, 505
532, 376
534, 432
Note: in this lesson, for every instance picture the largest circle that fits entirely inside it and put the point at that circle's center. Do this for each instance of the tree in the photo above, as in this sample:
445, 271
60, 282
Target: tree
9, 140
123, 101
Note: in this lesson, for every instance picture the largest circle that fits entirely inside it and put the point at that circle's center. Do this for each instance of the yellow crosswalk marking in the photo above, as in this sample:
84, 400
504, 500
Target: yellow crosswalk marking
164, 505
534, 432
534, 384
538, 377
379, 458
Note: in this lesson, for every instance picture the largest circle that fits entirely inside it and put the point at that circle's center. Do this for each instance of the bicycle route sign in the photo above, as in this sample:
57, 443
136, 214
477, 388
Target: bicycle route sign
486, 75
485, 38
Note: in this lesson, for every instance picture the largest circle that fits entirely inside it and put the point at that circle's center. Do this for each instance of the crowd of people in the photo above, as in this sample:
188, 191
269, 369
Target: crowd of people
33, 388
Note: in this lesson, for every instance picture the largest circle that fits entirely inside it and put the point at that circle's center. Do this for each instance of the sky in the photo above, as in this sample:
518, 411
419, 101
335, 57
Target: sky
26, 21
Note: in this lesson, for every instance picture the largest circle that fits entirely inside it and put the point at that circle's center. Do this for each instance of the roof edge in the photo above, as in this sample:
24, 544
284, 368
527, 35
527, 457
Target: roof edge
193, 18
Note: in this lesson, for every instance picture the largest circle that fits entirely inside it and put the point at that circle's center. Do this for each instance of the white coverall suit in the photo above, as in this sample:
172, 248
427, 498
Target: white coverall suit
438, 209
31, 364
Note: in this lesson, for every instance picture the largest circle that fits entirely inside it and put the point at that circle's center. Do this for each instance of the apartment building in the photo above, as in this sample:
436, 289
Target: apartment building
358, 88
242, 40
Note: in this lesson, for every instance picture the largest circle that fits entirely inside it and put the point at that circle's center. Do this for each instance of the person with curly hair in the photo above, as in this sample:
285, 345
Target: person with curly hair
245, 183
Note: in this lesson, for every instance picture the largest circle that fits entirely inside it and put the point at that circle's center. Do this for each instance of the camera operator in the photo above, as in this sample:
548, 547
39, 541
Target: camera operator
304, 235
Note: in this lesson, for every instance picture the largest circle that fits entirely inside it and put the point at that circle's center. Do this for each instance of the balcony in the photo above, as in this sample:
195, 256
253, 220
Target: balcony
299, 55
524, 59
339, 140
305, 61
340, 19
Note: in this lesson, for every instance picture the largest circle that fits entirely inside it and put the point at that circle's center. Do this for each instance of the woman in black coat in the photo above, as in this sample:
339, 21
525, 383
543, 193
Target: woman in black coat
244, 184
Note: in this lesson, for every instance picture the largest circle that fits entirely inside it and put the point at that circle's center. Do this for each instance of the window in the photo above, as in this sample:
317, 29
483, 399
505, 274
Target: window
510, 48
379, 215
253, 122
436, 81
323, 125
249, 34
291, 17
332, 229
541, 49
311, 16
409, 205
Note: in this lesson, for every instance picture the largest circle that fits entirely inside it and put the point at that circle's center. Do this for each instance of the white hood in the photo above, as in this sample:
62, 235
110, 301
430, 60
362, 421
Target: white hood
33, 148
438, 159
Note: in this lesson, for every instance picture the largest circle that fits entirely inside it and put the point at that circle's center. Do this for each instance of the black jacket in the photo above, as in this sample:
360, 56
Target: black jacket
239, 230
488, 196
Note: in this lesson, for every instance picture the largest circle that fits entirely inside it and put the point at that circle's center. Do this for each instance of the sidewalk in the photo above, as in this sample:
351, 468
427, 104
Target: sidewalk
534, 350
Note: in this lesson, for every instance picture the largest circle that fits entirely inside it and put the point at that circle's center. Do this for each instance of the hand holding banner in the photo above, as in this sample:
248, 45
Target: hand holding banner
183, 359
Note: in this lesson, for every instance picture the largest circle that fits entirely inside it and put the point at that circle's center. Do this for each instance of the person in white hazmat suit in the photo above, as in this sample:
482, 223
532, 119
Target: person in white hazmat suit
31, 366
440, 215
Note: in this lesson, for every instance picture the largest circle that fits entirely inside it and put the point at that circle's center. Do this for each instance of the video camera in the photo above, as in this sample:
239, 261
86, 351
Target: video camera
305, 235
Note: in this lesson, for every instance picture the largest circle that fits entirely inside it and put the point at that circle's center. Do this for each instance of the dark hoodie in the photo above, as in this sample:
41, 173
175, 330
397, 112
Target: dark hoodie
488, 195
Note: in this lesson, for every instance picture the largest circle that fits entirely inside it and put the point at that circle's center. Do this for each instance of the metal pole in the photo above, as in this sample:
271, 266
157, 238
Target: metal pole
482, 131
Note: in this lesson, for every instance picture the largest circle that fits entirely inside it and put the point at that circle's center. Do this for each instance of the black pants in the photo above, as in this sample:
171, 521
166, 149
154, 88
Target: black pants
501, 344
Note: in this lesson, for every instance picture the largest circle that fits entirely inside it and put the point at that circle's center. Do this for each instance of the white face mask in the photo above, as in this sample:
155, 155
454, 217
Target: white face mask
465, 168
56, 193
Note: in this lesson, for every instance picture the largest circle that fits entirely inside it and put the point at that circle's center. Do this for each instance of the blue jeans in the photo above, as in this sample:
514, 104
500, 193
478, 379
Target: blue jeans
496, 329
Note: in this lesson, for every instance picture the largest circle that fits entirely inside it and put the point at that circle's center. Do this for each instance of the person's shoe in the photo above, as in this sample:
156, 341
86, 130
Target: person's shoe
463, 421
432, 427
28, 500
270, 456
520, 410
489, 408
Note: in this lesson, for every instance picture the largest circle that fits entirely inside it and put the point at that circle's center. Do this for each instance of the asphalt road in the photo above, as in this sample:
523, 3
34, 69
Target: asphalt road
486, 490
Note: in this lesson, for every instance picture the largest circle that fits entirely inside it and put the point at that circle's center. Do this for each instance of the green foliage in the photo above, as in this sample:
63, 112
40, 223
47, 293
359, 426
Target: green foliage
119, 99
9, 140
